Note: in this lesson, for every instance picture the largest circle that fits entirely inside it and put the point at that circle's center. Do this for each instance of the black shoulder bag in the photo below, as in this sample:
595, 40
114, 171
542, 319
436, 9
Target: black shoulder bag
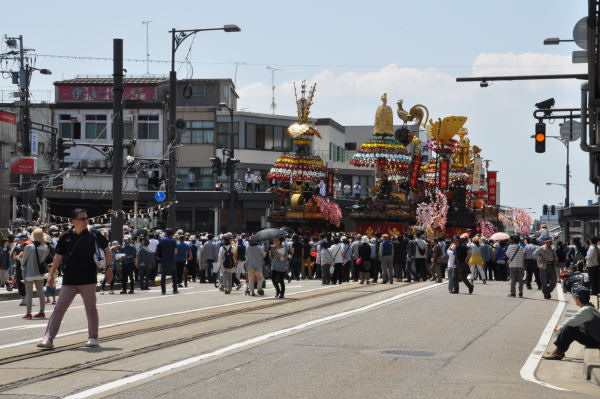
42, 266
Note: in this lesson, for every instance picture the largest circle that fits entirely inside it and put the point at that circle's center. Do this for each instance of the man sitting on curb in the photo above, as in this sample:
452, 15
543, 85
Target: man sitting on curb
583, 327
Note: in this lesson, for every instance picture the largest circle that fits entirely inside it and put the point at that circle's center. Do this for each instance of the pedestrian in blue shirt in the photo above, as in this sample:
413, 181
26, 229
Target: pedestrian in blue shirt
165, 254
183, 254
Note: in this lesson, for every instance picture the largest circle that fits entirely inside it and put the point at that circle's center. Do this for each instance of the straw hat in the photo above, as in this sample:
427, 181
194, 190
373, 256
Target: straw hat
38, 235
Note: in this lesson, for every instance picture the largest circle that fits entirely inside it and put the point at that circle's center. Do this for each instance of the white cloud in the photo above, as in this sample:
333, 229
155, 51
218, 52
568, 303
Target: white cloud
500, 116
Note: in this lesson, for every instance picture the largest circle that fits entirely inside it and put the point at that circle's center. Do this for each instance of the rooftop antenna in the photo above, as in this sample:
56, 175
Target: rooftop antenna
147, 50
236, 63
273, 70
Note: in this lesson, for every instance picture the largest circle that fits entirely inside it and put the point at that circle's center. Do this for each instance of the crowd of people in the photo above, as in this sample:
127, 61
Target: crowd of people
33, 257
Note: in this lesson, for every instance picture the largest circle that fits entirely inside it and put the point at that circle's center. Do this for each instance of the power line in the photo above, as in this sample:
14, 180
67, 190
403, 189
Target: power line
109, 59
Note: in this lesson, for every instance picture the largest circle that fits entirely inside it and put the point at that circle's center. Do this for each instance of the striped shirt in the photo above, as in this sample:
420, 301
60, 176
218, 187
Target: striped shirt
517, 259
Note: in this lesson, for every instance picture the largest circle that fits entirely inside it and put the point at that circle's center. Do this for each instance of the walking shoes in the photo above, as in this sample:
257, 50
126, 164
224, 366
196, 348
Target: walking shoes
46, 344
555, 355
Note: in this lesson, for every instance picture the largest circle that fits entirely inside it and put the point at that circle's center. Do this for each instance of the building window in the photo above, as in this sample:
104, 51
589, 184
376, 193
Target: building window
199, 90
95, 127
199, 132
336, 153
194, 179
148, 127
269, 145
69, 128
128, 129
223, 131
350, 146
267, 137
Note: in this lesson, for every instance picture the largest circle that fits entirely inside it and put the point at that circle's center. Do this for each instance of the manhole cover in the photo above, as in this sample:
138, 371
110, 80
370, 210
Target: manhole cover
409, 353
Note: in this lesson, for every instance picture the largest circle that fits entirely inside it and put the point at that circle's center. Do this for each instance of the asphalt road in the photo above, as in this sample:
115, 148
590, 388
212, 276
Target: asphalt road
426, 344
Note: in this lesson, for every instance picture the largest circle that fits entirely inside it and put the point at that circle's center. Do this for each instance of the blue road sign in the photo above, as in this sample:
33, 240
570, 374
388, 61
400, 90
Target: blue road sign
160, 196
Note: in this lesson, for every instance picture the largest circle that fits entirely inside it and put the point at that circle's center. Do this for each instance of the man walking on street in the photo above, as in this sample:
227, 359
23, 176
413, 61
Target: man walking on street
461, 270
209, 253
75, 250
546, 260
166, 251
531, 267
515, 266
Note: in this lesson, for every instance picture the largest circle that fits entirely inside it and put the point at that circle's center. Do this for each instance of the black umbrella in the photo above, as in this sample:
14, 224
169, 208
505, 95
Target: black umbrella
268, 234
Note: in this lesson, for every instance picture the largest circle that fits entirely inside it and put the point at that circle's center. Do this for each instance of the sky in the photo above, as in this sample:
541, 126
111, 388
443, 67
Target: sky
354, 51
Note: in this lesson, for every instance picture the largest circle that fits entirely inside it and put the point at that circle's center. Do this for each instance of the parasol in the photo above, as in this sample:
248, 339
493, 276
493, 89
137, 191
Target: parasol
499, 236
268, 234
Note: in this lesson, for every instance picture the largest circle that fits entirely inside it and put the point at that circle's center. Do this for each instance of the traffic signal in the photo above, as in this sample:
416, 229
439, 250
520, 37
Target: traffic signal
217, 166
540, 137
552, 210
545, 209
230, 166
62, 147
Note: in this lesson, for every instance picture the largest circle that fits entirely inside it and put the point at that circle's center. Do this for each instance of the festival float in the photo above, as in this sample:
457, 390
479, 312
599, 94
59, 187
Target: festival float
301, 203
390, 207
455, 196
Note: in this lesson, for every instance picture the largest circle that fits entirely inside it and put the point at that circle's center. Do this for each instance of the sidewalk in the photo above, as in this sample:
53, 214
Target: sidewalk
567, 373
14, 294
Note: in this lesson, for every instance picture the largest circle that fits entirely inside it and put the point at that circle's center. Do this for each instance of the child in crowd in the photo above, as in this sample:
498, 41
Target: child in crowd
50, 291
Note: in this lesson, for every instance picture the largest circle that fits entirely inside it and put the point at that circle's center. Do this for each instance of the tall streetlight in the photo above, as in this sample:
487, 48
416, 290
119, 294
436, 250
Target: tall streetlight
177, 37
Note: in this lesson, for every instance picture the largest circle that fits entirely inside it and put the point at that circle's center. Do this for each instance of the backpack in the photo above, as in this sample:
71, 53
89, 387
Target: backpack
241, 251
386, 248
228, 259
421, 251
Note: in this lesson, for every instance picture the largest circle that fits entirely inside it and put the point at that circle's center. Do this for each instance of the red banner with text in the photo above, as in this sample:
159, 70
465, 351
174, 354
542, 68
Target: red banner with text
414, 173
443, 174
491, 183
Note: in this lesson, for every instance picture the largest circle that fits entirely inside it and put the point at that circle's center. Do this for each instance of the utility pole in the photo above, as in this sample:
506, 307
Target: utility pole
147, 48
116, 222
273, 70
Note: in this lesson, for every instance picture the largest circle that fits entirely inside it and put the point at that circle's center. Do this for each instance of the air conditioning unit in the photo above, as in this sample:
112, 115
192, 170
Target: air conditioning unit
99, 163
86, 164
128, 118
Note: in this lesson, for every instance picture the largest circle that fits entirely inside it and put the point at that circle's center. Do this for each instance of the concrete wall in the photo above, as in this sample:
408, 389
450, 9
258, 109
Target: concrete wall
96, 182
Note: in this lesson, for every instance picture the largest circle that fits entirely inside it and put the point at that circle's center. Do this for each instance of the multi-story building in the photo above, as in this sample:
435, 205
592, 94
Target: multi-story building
82, 115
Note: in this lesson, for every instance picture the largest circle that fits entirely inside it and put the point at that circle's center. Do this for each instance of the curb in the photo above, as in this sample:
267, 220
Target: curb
591, 365
595, 376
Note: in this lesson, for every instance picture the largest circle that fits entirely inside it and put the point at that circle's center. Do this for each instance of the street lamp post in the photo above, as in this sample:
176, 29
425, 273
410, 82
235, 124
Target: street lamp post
177, 37
230, 162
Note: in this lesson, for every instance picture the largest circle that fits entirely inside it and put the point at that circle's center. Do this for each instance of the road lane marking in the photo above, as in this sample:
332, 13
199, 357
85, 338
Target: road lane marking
534, 359
23, 327
121, 323
252, 341
141, 299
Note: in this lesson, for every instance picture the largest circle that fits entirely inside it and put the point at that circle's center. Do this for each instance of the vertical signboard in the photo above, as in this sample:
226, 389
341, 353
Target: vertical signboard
414, 172
443, 174
492, 185
8, 136
330, 180
34, 142
476, 185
